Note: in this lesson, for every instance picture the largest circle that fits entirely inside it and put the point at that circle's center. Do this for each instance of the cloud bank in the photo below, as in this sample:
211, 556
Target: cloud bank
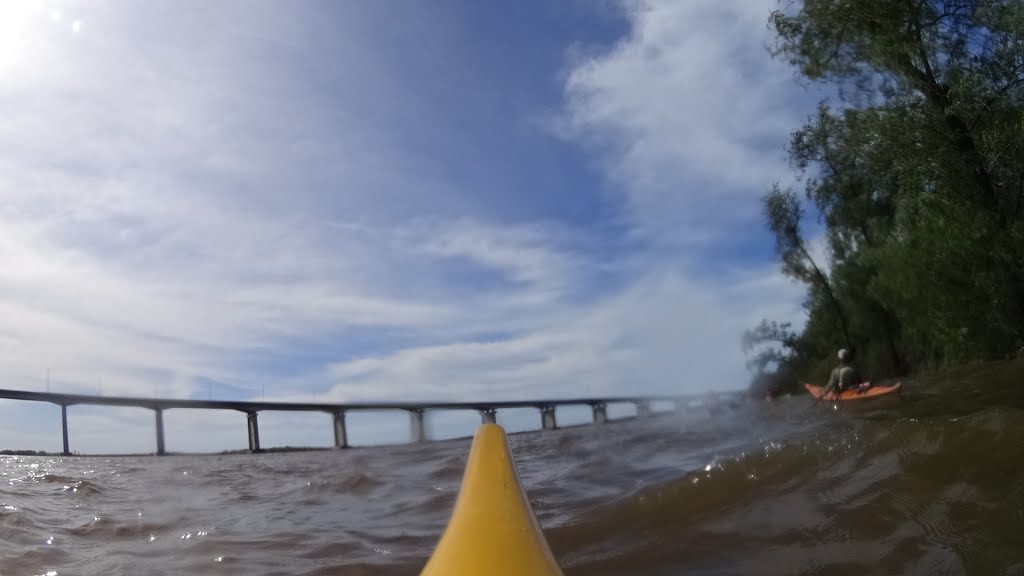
261, 212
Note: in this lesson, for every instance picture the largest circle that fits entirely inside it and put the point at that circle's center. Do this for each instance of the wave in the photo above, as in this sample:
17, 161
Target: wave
783, 488
895, 496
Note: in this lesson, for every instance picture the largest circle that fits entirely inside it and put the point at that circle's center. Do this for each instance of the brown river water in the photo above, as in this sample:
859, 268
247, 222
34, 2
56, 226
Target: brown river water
930, 484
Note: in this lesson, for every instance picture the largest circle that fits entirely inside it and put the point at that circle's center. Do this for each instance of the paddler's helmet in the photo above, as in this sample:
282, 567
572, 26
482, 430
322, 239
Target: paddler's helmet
844, 354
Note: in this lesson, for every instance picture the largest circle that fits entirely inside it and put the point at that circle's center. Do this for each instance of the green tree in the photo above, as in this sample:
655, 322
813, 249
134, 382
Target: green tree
918, 177
783, 211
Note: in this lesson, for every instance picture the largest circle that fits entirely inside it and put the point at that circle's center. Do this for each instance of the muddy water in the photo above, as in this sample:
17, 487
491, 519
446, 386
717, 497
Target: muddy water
931, 484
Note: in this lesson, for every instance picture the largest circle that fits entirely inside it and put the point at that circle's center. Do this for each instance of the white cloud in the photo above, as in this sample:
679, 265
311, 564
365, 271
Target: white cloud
172, 203
160, 216
524, 254
689, 113
83, 316
665, 334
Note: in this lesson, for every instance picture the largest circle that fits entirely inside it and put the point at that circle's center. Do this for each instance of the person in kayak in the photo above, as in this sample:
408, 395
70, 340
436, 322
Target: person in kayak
844, 377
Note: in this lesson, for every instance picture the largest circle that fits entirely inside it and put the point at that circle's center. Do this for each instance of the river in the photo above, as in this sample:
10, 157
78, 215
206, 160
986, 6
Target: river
931, 484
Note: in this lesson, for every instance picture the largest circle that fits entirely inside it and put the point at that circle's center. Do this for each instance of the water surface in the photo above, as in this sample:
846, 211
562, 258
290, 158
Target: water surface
933, 484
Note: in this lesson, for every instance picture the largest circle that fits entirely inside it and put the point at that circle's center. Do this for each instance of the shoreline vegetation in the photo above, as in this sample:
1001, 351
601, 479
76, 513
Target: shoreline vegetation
916, 175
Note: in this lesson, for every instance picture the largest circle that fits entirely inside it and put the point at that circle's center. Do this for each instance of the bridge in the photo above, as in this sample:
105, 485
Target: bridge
416, 410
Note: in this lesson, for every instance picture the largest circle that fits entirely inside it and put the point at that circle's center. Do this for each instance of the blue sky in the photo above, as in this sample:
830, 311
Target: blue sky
367, 200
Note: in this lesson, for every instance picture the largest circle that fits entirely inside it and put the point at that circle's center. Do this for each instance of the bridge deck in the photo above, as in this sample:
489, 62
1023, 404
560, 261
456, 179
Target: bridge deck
252, 409
250, 406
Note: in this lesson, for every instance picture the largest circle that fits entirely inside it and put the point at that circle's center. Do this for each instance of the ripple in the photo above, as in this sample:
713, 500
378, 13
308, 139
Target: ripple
356, 483
795, 491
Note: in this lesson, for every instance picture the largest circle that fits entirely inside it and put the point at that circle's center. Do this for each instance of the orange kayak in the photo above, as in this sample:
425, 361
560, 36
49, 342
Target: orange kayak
856, 394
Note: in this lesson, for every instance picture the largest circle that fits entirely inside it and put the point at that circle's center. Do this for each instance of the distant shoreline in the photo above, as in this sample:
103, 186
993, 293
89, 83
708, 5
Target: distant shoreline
26, 453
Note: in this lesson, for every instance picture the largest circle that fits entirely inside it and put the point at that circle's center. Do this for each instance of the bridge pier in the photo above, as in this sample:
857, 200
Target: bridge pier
64, 428
160, 432
419, 431
254, 431
488, 416
547, 418
340, 434
600, 412
643, 409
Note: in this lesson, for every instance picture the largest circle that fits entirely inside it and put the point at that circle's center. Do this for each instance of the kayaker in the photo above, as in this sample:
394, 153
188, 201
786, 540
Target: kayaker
844, 377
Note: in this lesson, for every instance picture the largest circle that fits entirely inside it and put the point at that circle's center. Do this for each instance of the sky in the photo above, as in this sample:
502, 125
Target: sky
354, 201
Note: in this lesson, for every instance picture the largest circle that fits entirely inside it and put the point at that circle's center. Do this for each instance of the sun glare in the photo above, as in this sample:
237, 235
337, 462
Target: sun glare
24, 24
15, 21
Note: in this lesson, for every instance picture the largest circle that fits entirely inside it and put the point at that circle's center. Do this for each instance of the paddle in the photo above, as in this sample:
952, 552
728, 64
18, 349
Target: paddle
817, 399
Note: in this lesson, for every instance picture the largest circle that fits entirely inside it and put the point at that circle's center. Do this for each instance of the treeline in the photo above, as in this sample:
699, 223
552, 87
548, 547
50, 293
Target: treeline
918, 177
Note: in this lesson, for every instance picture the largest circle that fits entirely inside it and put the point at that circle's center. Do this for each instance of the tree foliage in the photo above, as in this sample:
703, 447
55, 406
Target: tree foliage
918, 176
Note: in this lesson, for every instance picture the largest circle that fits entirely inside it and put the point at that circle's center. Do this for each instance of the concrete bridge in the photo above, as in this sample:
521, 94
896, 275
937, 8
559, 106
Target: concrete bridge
416, 410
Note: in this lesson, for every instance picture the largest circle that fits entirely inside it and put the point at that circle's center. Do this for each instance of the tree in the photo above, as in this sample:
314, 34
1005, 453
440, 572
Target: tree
780, 339
962, 61
963, 57
776, 345
784, 212
918, 177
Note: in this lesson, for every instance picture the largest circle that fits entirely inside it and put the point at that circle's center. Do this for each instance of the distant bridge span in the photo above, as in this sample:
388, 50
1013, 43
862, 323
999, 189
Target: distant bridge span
416, 410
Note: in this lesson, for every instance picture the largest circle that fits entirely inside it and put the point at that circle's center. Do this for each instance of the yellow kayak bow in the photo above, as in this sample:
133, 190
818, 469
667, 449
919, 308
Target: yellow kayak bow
492, 530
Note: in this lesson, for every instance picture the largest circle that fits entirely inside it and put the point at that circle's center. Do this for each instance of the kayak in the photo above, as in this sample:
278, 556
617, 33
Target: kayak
872, 392
492, 529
